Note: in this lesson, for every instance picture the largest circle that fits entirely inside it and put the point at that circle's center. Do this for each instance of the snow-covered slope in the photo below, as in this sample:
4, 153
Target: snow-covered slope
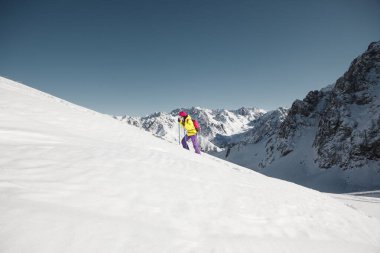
368, 202
73, 180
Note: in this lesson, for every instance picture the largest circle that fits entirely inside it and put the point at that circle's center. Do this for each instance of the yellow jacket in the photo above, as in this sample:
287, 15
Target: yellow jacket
188, 125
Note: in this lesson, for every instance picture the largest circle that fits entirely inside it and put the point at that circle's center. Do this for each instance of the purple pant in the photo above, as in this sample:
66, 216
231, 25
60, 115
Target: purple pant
193, 140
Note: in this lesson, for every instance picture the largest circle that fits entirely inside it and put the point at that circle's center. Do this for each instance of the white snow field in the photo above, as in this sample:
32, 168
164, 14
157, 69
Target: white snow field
367, 202
74, 180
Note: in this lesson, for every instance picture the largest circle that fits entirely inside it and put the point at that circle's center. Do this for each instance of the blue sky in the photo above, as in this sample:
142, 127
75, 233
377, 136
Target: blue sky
138, 57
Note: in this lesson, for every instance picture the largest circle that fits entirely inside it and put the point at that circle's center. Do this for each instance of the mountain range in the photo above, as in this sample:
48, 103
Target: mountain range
329, 141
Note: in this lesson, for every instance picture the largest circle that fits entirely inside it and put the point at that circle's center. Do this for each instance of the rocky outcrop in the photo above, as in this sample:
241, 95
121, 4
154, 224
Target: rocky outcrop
330, 140
349, 127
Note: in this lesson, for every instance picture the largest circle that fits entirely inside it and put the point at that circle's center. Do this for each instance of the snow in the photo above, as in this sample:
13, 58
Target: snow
366, 202
74, 180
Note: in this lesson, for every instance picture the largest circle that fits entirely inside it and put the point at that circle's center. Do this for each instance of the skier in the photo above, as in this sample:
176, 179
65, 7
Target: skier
191, 133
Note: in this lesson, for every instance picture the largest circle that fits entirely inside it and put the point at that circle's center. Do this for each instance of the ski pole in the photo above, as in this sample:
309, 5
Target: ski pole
179, 134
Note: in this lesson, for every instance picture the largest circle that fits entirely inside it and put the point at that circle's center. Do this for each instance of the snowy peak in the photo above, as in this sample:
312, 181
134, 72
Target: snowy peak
213, 123
260, 129
221, 121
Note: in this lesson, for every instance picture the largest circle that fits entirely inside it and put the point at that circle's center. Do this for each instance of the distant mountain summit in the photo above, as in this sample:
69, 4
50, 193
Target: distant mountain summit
329, 141
218, 122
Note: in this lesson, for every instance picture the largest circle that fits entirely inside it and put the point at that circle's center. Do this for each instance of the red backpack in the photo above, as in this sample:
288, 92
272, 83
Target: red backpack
196, 125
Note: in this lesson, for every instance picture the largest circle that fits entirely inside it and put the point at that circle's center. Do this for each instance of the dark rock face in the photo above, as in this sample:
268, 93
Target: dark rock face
349, 130
356, 79
346, 117
299, 113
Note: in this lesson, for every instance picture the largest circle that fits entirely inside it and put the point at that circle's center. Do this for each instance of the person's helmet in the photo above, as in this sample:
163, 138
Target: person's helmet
182, 114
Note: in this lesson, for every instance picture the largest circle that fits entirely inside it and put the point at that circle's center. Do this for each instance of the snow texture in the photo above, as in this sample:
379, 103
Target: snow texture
73, 180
